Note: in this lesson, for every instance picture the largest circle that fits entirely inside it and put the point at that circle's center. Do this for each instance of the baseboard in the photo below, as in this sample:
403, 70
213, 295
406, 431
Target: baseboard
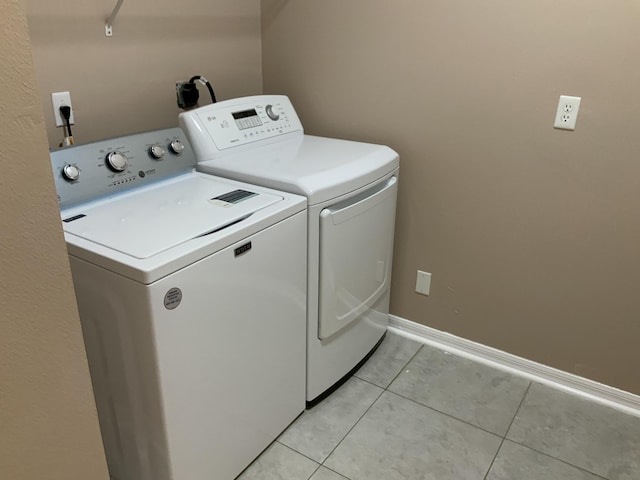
598, 392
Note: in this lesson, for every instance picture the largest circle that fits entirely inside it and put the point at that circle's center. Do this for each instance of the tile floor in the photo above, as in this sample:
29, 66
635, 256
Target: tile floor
416, 412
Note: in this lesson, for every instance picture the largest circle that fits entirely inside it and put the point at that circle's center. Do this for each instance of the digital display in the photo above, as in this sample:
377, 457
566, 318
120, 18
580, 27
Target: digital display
247, 119
245, 114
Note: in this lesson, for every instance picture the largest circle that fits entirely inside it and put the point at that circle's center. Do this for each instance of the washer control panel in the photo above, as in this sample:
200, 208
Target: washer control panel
241, 121
86, 172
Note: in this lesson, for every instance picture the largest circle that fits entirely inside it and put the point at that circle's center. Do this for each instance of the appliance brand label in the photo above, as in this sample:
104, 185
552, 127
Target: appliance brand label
172, 298
243, 249
75, 217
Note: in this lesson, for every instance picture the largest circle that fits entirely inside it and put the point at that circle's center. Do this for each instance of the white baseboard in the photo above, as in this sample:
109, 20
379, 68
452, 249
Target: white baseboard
598, 392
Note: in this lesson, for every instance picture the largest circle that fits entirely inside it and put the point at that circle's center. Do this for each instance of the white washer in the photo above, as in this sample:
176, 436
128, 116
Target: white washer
192, 296
351, 188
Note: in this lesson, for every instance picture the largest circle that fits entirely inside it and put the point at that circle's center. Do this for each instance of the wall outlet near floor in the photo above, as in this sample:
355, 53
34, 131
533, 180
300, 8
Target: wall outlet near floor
423, 282
567, 112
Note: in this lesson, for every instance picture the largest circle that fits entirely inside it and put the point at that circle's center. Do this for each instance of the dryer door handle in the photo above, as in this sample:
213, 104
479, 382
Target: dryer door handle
344, 211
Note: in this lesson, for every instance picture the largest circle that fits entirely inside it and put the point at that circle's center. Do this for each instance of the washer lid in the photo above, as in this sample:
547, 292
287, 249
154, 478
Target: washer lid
319, 168
144, 223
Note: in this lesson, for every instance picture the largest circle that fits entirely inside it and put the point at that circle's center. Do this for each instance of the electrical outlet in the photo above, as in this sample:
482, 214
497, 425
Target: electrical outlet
187, 94
423, 282
567, 112
59, 99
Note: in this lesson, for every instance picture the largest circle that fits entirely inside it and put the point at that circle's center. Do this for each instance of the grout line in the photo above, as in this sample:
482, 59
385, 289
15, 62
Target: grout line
435, 409
300, 453
518, 409
337, 473
533, 449
384, 389
370, 383
445, 414
557, 459
404, 366
352, 427
507, 431
494, 459
314, 472
395, 376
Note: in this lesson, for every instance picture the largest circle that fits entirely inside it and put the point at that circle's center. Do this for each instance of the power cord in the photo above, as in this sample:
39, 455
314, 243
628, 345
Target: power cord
187, 92
205, 82
65, 111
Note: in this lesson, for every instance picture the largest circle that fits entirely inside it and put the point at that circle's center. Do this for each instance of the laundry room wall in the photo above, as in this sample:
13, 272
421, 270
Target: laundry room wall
531, 233
48, 422
126, 83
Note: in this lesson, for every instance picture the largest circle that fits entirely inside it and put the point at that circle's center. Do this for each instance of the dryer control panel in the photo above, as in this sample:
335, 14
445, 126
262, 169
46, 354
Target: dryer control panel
241, 121
87, 172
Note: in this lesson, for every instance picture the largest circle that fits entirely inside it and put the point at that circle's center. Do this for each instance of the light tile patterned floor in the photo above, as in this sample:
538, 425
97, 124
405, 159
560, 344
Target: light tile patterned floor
413, 412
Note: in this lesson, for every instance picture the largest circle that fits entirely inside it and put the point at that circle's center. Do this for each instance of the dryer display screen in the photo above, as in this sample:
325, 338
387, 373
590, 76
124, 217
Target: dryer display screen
247, 119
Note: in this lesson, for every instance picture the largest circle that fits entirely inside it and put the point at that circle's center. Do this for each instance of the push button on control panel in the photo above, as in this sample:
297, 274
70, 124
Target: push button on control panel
248, 122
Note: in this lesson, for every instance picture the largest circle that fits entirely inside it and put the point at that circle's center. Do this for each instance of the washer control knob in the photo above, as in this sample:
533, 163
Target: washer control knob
176, 146
156, 151
117, 161
70, 172
270, 113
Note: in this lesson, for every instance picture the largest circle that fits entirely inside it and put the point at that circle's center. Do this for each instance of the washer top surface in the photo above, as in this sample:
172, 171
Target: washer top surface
319, 168
149, 233
145, 223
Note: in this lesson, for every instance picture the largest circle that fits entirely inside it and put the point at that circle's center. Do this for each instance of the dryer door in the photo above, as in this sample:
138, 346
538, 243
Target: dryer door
356, 246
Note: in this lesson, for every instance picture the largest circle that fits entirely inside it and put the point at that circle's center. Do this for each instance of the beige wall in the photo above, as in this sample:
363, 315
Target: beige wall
48, 423
532, 234
126, 83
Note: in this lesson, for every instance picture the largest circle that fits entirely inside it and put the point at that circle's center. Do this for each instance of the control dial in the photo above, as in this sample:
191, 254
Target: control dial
270, 113
70, 172
156, 151
176, 146
117, 162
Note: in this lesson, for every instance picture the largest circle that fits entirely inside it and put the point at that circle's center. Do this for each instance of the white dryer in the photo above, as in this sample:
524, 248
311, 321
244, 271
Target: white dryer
351, 188
192, 297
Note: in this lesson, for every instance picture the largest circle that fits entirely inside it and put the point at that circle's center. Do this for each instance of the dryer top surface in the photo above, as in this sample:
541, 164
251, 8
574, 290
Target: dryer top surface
319, 168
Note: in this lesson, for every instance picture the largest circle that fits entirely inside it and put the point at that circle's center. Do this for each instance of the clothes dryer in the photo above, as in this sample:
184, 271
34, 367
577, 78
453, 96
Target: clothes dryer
192, 297
351, 189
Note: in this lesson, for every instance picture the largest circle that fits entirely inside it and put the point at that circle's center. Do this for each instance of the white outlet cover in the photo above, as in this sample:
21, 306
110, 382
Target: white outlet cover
567, 112
58, 99
423, 282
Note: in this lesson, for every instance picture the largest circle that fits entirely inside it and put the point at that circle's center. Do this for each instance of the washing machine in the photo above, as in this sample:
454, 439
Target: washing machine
351, 189
192, 297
